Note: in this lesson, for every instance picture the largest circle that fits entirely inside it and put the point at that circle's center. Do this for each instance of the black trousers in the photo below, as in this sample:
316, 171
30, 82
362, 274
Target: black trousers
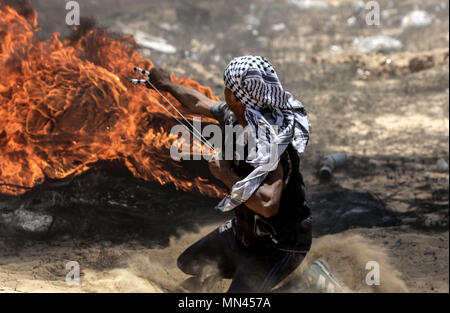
251, 271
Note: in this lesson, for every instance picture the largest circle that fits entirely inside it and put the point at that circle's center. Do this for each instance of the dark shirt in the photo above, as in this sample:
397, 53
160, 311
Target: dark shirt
290, 227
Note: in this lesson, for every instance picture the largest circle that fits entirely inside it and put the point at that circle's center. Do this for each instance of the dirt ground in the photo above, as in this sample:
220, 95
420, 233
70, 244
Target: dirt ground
388, 112
410, 261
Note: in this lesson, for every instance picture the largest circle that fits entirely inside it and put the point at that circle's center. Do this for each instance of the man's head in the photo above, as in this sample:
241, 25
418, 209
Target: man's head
235, 106
251, 83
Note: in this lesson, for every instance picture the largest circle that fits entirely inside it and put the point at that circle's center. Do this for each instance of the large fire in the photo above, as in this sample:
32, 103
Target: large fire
67, 104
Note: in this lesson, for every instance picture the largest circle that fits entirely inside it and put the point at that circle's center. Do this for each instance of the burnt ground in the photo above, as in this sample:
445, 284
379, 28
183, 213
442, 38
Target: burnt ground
109, 203
390, 117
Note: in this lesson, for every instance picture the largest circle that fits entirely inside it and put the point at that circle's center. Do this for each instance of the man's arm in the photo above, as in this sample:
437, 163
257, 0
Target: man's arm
191, 100
266, 199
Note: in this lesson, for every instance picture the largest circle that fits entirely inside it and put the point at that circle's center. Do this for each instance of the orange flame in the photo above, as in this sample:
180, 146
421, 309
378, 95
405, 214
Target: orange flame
64, 105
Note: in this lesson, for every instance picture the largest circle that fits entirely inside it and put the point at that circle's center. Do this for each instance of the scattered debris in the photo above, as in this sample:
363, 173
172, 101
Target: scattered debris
363, 73
148, 41
279, 27
352, 21
25, 220
442, 165
251, 19
378, 44
169, 27
309, 4
330, 162
335, 48
158, 44
417, 18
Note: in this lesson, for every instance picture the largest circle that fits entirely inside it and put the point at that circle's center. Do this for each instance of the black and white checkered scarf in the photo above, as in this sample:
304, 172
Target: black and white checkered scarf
276, 119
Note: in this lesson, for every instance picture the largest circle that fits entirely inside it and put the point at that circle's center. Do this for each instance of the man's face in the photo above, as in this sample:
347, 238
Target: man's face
235, 106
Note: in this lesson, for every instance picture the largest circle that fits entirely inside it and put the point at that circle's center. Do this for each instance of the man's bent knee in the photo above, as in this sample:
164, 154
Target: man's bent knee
187, 264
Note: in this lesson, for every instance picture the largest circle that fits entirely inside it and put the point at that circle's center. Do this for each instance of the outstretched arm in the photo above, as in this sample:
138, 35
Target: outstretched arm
191, 100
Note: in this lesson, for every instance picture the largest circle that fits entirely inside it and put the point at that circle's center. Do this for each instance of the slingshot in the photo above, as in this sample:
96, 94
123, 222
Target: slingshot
146, 81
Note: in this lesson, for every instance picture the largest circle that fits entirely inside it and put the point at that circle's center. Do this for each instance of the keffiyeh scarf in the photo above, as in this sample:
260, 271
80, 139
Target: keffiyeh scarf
276, 119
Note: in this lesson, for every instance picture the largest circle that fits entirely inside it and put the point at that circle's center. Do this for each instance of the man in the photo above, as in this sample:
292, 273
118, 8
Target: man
271, 232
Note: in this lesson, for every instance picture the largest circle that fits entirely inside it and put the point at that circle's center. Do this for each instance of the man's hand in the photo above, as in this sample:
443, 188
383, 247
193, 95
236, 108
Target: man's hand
191, 100
160, 78
221, 169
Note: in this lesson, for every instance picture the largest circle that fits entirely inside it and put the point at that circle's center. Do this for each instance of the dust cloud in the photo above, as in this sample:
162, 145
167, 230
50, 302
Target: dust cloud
155, 270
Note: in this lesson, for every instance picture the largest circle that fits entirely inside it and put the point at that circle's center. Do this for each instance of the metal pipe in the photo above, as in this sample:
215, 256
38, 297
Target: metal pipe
330, 162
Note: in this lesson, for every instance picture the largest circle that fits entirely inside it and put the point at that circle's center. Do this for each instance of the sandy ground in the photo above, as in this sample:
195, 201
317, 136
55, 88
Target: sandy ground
393, 123
409, 261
